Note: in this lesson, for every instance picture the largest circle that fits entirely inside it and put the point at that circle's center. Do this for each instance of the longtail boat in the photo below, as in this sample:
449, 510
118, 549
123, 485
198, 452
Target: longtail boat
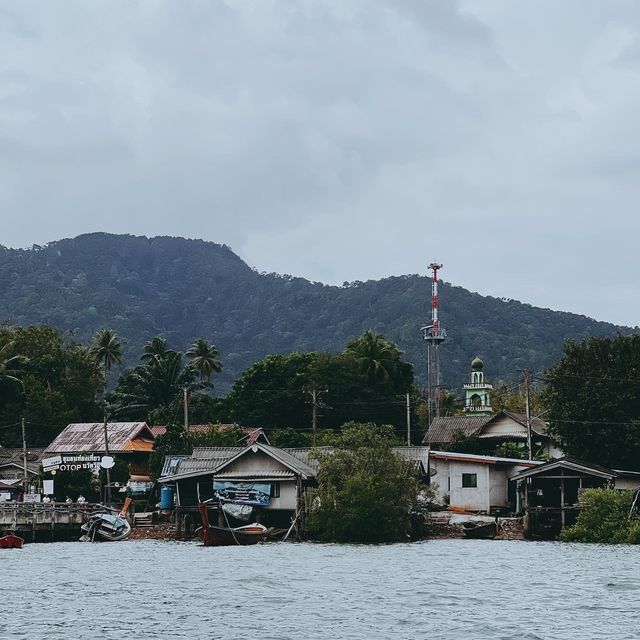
106, 526
213, 536
11, 541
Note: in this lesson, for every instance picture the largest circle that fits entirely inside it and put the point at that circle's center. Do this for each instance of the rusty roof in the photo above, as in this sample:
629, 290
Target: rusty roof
251, 434
89, 436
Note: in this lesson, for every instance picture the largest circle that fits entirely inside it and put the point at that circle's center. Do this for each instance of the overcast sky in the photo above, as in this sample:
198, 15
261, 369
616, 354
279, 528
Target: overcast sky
338, 139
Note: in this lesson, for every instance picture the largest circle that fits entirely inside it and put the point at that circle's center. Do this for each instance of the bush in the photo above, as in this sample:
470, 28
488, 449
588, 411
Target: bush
366, 492
605, 518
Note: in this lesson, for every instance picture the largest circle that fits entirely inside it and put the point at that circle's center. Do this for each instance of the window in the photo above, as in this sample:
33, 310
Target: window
275, 490
469, 480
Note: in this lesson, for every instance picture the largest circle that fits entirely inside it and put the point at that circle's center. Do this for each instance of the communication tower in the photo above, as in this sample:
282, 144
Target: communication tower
434, 335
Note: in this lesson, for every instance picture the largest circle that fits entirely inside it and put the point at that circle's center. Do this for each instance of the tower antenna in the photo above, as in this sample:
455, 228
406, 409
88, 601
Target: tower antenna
434, 335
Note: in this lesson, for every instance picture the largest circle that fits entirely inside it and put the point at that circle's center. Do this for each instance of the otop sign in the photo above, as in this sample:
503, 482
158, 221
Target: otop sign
72, 462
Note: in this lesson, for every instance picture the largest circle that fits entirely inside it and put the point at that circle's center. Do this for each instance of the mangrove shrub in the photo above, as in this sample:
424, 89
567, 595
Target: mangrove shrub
605, 518
366, 492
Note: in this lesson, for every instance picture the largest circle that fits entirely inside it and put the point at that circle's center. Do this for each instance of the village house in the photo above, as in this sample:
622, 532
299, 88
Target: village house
128, 441
475, 483
12, 471
550, 493
490, 428
281, 476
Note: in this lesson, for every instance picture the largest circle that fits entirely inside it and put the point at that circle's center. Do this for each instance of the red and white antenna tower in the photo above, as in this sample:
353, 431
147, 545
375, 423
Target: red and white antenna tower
434, 335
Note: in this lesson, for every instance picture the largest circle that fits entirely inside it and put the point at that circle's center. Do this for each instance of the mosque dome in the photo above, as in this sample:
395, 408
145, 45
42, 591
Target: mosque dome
476, 364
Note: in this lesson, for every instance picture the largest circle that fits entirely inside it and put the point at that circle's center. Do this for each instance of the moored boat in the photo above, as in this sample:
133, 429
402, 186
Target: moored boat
11, 541
106, 526
213, 536
479, 529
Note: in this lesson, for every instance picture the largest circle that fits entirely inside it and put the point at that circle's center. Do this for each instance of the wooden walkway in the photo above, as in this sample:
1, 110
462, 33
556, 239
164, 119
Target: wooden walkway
46, 521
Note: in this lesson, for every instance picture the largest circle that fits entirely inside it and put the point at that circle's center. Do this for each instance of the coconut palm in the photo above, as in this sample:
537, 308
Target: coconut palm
153, 385
11, 366
204, 359
106, 350
377, 358
156, 349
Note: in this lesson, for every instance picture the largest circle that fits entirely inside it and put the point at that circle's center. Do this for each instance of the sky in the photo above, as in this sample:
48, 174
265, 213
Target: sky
338, 140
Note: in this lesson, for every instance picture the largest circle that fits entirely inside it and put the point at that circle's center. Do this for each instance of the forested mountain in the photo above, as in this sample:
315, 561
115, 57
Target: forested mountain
182, 289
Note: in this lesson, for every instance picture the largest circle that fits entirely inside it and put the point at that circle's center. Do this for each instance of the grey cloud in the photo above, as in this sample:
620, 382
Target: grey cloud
337, 139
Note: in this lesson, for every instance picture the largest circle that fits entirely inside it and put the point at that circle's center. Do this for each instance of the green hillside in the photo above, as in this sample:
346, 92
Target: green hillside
184, 289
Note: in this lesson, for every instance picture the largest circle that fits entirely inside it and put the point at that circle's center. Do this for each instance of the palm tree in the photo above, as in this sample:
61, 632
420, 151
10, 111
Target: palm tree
204, 358
377, 358
106, 350
156, 349
11, 366
154, 384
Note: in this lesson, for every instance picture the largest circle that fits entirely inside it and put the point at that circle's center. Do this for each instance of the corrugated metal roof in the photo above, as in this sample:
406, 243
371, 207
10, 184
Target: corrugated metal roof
472, 457
89, 437
251, 434
263, 474
443, 430
211, 453
568, 463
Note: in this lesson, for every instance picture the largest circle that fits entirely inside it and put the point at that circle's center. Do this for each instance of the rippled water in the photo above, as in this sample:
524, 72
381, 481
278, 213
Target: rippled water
441, 589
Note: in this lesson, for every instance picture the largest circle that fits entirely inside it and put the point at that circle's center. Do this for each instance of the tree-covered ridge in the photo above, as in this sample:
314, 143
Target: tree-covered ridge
180, 288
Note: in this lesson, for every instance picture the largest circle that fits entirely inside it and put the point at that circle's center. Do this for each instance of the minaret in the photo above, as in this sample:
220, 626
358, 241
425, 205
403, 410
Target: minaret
434, 335
477, 401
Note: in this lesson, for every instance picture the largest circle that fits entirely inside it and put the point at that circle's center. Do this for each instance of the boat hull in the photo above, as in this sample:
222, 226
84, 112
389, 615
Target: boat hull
213, 536
106, 527
480, 530
11, 542
225, 537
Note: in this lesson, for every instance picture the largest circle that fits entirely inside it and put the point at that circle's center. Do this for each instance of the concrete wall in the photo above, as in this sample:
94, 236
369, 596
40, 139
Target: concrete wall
288, 496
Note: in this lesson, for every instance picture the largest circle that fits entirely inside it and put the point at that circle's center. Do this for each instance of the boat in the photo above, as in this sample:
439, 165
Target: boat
11, 541
213, 536
106, 526
480, 529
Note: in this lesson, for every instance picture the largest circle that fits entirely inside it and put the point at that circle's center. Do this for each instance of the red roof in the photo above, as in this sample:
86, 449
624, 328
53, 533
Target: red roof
251, 434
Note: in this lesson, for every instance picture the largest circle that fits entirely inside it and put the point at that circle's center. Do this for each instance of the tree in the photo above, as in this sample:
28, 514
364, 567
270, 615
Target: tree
155, 349
106, 348
377, 358
11, 366
60, 379
154, 385
204, 358
604, 518
289, 437
593, 399
366, 492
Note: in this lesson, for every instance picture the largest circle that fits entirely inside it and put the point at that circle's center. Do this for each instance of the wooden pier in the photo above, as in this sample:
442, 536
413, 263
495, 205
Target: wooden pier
46, 521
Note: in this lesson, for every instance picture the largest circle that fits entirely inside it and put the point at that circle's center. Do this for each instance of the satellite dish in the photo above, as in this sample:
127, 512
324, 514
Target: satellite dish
107, 462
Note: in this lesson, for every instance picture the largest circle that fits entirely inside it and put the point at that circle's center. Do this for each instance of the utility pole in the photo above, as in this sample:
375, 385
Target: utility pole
528, 413
185, 397
408, 421
106, 450
24, 457
315, 396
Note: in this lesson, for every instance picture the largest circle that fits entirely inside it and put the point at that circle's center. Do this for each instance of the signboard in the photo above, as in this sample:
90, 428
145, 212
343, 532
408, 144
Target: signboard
254, 493
47, 487
31, 497
71, 462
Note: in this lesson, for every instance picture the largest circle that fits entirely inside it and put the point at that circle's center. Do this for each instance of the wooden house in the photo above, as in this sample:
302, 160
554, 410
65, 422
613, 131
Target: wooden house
550, 493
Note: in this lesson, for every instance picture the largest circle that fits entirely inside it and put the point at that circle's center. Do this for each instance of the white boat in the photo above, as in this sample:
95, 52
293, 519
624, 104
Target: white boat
106, 526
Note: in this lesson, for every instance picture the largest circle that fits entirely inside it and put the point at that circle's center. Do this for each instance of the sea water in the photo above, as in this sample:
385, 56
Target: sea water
440, 589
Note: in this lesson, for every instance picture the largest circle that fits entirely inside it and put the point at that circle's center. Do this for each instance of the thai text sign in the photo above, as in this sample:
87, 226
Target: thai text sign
71, 462
254, 493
